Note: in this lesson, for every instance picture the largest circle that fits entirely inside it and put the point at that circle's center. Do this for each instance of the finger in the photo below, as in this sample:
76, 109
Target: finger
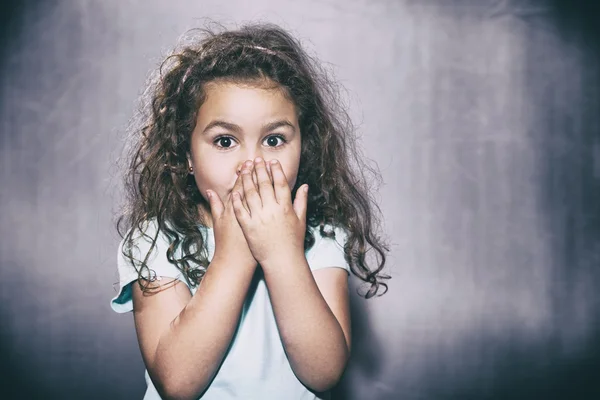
265, 186
268, 165
239, 188
300, 202
245, 202
282, 190
240, 212
215, 203
250, 191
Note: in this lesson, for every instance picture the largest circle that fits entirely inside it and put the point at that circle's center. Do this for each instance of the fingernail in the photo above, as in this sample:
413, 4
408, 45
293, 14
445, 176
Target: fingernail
248, 163
273, 162
208, 193
257, 159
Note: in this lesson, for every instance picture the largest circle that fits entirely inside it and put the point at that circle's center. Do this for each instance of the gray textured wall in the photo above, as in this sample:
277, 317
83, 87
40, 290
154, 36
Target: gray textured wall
482, 116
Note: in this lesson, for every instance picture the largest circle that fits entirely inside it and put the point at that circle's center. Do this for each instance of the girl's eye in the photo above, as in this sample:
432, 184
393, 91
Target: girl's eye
224, 142
273, 140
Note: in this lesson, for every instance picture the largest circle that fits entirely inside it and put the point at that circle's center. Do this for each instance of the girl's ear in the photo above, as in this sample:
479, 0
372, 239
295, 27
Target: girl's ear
189, 162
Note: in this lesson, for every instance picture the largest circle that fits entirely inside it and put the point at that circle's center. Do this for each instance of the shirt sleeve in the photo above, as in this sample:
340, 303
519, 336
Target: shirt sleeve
328, 252
158, 264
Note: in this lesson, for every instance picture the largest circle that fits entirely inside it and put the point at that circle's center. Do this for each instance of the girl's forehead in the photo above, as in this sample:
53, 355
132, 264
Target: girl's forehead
245, 99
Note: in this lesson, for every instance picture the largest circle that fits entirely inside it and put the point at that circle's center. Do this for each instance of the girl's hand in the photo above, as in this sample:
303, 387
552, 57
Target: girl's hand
274, 227
230, 242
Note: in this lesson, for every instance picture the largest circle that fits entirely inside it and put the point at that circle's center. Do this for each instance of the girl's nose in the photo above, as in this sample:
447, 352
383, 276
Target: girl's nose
241, 165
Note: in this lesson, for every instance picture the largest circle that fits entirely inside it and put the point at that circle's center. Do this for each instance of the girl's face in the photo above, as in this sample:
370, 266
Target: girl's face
238, 123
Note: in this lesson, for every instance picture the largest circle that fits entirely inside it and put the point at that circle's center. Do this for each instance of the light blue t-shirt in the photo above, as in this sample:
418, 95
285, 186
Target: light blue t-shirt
255, 366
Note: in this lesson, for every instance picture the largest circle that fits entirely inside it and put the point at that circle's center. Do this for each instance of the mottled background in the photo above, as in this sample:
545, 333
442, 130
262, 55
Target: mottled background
482, 116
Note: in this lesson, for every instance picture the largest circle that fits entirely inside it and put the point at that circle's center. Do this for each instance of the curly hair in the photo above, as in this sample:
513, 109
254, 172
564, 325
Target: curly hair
157, 183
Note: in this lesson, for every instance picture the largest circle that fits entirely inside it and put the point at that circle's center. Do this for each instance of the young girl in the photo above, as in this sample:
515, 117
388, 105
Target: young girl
244, 216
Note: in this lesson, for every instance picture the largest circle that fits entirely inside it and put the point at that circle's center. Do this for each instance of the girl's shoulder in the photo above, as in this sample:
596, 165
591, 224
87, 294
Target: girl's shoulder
147, 227
146, 236
336, 233
143, 254
328, 250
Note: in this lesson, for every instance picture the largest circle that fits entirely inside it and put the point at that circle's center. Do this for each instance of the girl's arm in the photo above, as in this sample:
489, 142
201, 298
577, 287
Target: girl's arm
311, 310
313, 318
183, 338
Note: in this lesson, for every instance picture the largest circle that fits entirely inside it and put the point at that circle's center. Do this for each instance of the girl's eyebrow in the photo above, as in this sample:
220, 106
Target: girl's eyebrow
237, 129
276, 124
223, 124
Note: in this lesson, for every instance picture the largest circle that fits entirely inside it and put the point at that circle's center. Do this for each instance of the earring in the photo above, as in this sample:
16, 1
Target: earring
191, 169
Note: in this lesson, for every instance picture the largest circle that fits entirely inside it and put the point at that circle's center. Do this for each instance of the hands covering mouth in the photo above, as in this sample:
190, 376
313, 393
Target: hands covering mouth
254, 176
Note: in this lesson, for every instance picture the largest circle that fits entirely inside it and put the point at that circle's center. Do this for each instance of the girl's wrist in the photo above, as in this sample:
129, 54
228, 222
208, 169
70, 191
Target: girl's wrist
233, 258
284, 259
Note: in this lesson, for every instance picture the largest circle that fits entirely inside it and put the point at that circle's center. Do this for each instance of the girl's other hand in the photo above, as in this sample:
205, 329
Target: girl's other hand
274, 227
230, 242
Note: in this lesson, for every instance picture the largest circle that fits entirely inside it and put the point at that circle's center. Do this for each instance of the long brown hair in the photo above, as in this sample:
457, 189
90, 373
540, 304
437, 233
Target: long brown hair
158, 186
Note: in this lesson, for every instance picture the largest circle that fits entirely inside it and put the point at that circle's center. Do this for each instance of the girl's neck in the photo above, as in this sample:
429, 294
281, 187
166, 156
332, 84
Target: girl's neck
204, 216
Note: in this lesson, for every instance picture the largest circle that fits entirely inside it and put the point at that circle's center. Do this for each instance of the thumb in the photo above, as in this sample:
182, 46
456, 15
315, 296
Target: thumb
216, 205
301, 201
